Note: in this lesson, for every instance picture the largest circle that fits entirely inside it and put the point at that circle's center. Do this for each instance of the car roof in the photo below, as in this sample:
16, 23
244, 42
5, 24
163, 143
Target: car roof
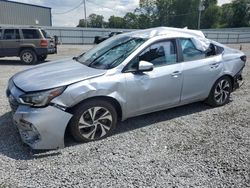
169, 32
17, 27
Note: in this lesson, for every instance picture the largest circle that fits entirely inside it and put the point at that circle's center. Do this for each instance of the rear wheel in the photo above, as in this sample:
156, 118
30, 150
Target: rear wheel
220, 92
93, 120
28, 56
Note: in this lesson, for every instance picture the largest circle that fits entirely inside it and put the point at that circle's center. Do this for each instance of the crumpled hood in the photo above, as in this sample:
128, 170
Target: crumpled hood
54, 74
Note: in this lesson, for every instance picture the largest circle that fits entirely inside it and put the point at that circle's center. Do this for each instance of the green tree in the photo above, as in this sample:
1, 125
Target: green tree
81, 23
185, 13
226, 15
95, 21
211, 17
177, 13
164, 12
131, 20
208, 3
235, 14
116, 22
241, 15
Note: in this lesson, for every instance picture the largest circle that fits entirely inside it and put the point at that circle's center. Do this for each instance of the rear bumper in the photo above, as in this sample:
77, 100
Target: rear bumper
41, 51
41, 128
52, 50
238, 80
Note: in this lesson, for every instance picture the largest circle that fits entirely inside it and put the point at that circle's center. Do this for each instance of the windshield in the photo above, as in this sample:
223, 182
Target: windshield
111, 52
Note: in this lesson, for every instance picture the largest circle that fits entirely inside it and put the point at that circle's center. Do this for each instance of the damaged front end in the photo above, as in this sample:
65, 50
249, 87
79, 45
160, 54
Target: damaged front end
42, 128
39, 127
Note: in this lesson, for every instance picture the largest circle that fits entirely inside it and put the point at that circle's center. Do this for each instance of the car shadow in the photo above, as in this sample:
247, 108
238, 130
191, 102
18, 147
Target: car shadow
150, 119
160, 116
17, 62
13, 147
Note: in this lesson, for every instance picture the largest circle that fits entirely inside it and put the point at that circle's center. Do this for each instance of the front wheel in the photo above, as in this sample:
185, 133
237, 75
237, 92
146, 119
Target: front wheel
220, 93
93, 120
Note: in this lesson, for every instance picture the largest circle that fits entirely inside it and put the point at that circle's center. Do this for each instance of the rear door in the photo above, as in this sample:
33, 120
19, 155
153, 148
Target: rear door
31, 37
200, 71
11, 42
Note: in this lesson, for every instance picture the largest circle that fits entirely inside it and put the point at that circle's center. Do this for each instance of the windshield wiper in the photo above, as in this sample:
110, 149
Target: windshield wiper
109, 66
78, 57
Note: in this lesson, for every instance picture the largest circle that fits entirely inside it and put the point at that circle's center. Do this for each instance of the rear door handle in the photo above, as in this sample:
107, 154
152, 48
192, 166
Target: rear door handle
176, 74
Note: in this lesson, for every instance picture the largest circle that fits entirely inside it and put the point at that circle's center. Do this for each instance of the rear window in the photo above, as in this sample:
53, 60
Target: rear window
31, 34
46, 34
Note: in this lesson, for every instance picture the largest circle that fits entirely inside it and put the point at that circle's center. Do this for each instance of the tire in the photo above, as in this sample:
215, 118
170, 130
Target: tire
41, 57
28, 56
220, 92
89, 122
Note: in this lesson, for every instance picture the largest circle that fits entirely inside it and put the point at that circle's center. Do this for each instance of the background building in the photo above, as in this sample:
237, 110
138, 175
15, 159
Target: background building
15, 13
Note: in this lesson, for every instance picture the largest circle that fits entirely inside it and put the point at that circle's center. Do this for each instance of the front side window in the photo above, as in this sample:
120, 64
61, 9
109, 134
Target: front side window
31, 34
160, 54
11, 34
190, 53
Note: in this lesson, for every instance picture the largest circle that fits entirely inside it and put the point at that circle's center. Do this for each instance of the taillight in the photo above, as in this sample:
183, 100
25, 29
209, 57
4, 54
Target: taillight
244, 58
44, 43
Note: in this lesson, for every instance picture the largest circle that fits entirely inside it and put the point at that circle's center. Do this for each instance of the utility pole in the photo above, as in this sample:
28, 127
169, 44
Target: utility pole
201, 8
85, 13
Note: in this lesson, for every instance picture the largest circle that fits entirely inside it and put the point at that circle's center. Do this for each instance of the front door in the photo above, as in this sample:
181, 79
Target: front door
159, 88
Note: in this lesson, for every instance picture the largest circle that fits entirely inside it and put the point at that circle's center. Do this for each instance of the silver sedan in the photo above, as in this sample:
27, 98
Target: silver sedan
125, 76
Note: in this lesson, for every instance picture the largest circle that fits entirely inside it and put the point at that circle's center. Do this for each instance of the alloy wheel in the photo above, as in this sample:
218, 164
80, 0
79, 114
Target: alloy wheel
222, 91
27, 57
95, 123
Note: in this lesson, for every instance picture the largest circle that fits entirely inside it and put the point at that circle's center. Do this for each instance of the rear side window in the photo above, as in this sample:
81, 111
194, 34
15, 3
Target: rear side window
190, 53
11, 34
31, 34
1, 31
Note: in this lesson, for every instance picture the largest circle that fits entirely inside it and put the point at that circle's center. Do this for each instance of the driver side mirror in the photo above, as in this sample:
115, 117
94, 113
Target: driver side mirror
145, 66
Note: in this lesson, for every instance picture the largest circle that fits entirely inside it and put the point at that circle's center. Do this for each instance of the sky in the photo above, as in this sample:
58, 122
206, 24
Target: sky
106, 8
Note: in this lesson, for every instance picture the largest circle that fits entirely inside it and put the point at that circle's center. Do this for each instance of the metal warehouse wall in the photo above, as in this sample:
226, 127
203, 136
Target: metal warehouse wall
24, 14
76, 35
73, 35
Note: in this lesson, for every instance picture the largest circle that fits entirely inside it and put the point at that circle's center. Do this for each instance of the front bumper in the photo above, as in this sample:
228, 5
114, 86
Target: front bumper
42, 128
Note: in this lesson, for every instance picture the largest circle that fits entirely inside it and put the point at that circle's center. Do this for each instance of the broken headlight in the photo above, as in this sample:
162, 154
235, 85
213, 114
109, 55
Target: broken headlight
41, 99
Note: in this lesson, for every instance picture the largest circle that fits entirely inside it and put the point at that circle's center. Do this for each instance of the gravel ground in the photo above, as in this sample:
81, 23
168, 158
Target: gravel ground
189, 146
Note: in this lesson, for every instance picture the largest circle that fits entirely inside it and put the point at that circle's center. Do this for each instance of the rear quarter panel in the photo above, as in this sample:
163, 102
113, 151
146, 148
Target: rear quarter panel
232, 62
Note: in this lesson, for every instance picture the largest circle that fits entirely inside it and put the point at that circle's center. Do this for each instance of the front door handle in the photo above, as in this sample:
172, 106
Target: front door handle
176, 74
214, 65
